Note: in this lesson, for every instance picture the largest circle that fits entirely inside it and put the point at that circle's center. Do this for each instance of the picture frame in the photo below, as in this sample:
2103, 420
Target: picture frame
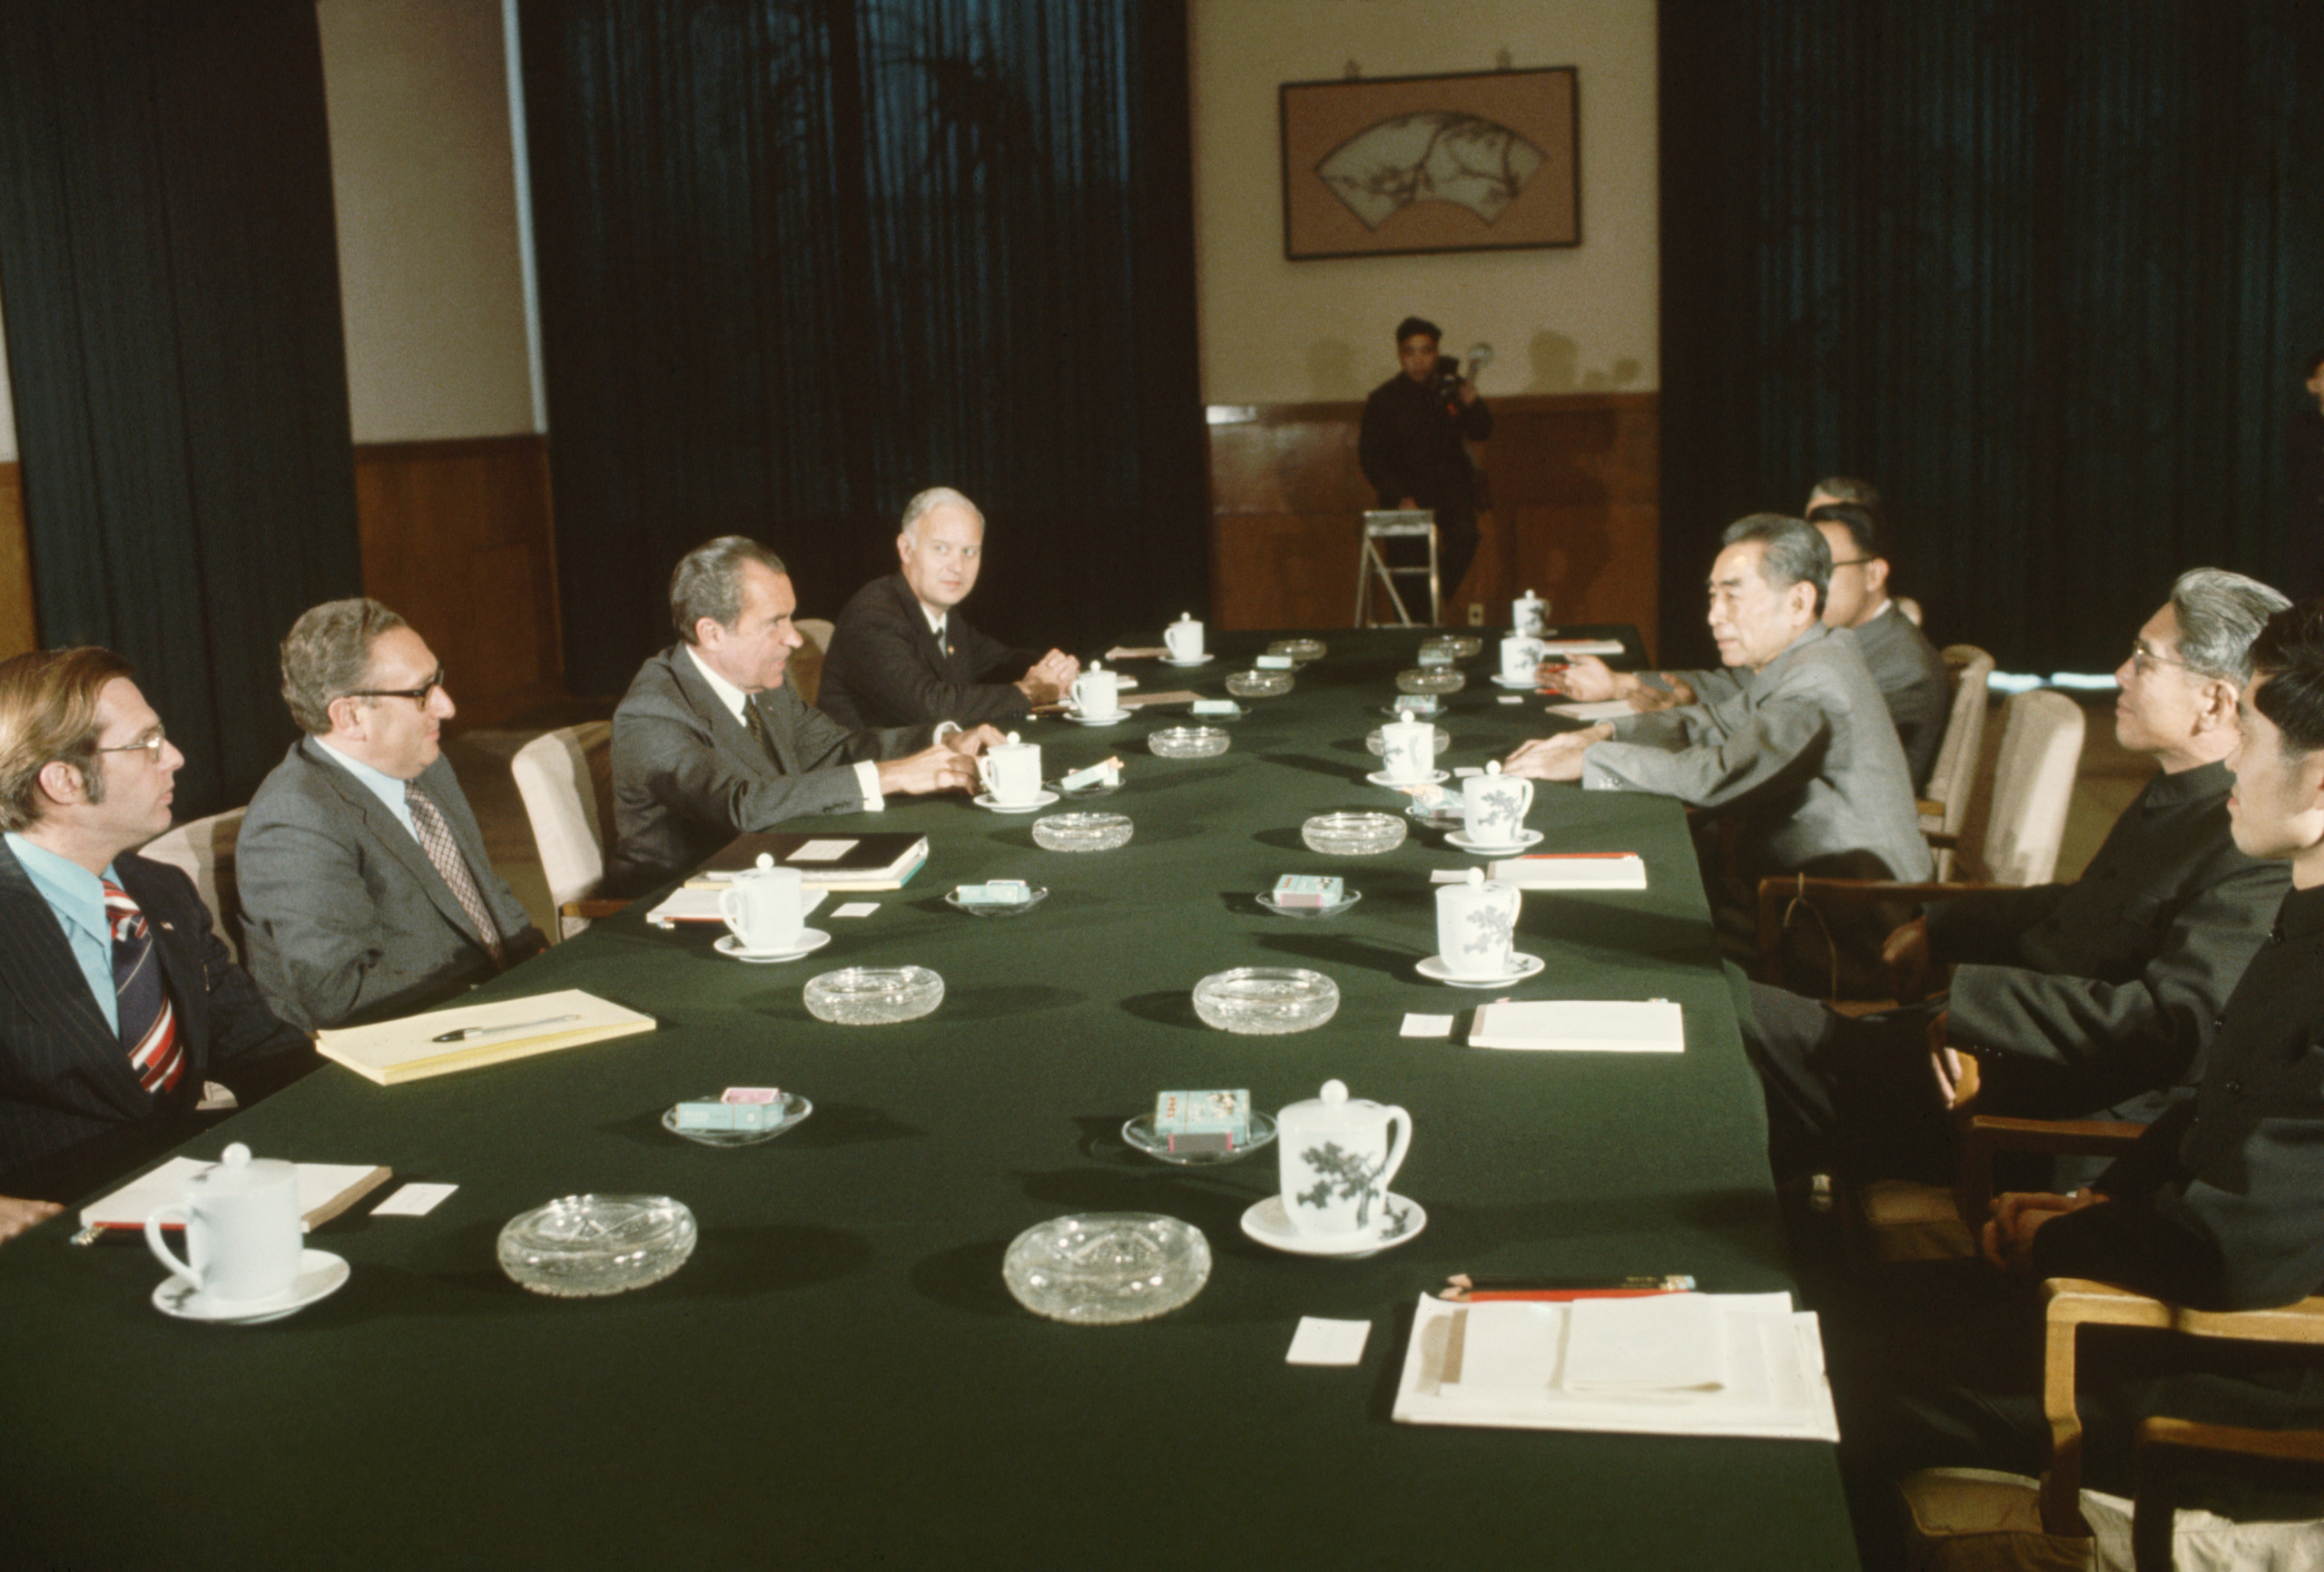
1386, 166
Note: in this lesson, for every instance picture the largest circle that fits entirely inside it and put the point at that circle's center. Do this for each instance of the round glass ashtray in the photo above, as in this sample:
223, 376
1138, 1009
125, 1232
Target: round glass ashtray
873, 996
1352, 834
1456, 646
1081, 831
1267, 902
1266, 1000
1436, 751
583, 1246
1107, 1268
1187, 741
1033, 897
1139, 1132
1431, 680
1298, 649
795, 1109
1258, 685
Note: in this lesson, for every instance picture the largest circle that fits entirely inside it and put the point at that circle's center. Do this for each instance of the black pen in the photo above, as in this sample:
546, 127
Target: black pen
465, 1033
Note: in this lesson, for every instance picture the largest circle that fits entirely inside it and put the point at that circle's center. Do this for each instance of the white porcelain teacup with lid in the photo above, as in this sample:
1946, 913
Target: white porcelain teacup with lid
1338, 1159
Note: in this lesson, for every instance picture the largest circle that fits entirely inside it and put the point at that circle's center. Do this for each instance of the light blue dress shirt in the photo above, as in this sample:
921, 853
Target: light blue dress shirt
386, 787
77, 896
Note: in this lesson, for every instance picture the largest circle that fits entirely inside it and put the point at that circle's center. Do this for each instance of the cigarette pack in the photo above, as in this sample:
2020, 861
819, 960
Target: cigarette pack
1307, 889
1418, 703
1203, 1121
1107, 772
1000, 892
729, 1116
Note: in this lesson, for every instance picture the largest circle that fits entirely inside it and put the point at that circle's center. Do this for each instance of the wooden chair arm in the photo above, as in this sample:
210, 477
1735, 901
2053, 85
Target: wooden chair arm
1777, 890
1941, 840
2168, 1448
592, 909
1928, 808
1987, 1133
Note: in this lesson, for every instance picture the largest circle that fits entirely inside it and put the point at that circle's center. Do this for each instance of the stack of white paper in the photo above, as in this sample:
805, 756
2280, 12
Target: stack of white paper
1573, 871
1582, 1026
1676, 1364
1553, 647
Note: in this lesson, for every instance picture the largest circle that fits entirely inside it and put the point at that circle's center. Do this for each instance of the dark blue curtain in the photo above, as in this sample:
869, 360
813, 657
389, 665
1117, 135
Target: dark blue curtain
2040, 271
801, 259
171, 279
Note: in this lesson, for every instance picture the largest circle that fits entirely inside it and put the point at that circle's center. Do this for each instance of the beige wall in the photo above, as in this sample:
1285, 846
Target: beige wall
7, 406
1276, 331
430, 271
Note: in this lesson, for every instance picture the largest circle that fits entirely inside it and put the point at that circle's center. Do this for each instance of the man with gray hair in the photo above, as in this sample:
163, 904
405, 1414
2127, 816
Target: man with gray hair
365, 885
902, 654
1800, 751
2094, 1000
710, 743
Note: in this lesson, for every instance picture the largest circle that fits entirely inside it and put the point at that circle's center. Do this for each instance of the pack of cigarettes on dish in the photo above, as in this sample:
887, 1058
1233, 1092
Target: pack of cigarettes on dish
997, 892
1419, 703
1105, 773
728, 1115
1203, 1121
1274, 663
1216, 707
1309, 889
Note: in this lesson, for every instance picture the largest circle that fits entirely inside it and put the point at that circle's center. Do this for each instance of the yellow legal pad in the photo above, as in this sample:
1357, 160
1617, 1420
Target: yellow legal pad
406, 1050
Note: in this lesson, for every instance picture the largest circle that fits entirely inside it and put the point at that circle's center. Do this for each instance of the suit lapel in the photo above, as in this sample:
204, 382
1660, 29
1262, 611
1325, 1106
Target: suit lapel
390, 839
37, 967
940, 646
728, 735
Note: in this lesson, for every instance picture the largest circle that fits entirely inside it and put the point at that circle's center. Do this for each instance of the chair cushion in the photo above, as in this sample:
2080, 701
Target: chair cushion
1977, 1521
1906, 1221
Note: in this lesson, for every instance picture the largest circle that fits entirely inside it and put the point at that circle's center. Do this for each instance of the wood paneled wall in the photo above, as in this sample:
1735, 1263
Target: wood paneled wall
19, 620
457, 536
1574, 511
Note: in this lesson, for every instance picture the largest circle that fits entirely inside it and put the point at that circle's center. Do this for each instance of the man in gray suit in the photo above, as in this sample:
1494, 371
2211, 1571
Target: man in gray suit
1905, 667
366, 890
710, 741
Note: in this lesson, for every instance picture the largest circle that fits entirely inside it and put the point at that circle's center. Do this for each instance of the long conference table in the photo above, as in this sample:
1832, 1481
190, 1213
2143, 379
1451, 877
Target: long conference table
839, 1377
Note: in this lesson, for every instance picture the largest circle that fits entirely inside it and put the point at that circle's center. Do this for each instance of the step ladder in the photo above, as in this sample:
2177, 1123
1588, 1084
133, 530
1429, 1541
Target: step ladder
1374, 568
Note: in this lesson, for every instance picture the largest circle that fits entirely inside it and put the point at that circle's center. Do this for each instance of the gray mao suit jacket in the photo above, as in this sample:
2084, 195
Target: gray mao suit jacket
345, 918
1803, 751
688, 778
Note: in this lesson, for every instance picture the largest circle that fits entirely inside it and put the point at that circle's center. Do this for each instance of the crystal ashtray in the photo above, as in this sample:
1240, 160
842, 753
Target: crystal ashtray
1140, 1133
795, 1108
1298, 649
1107, 1268
1431, 680
1266, 1000
1187, 741
1081, 831
873, 996
1437, 749
1457, 646
1352, 834
1258, 684
585, 1245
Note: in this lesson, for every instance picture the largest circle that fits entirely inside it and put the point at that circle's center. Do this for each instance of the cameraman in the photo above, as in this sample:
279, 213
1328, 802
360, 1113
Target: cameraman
1411, 446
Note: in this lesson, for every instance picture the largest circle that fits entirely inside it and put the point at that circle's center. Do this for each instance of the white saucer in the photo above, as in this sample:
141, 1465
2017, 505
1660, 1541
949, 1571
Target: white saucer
1381, 778
1116, 718
1267, 1222
320, 1275
811, 940
1529, 683
984, 800
1434, 970
1525, 837
1198, 661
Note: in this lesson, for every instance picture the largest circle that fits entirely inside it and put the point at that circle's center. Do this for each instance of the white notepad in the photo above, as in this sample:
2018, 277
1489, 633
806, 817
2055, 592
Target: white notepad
1582, 1026
1573, 871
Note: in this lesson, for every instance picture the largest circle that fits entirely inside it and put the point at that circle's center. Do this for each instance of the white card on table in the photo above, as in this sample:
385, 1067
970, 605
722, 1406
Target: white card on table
1321, 1342
1421, 1025
856, 909
413, 1201
823, 852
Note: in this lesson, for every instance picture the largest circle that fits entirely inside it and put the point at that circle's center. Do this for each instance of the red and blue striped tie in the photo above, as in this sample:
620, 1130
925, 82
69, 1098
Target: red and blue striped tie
149, 1026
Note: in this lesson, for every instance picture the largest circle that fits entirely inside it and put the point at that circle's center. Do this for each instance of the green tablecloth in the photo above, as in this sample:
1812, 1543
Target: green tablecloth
839, 1377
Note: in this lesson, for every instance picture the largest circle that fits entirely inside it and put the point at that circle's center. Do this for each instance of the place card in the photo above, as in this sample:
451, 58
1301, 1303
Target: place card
1420, 1025
856, 909
823, 852
1274, 663
1516, 699
1321, 1342
1463, 772
413, 1201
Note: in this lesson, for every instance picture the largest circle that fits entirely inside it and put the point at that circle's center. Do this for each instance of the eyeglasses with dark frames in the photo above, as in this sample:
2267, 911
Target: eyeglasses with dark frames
417, 695
151, 745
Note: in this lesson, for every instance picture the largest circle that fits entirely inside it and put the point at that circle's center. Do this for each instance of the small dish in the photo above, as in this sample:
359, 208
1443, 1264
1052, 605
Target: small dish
1435, 969
1082, 831
1526, 684
1198, 661
320, 1274
1187, 741
1107, 1268
795, 1109
1460, 646
1041, 799
1428, 817
1460, 839
870, 996
1298, 649
1258, 685
1266, 1000
1115, 719
1381, 778
1268, 903
1352, 834
1400, 1220
583, 1246
1431, 680
1139, 1132
811, 940
1033, 897
1416, 707
1095, 789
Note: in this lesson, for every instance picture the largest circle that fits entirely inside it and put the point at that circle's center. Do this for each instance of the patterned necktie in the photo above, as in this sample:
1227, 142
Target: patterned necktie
149, 1025
756, 724
435, 839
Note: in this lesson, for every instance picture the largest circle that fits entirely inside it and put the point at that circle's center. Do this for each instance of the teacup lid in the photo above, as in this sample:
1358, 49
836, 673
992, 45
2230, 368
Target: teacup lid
1330, 1110
1186, 616
1492, 767
1097, 665
766, 859
238, 1172
1475, 879
1012, 739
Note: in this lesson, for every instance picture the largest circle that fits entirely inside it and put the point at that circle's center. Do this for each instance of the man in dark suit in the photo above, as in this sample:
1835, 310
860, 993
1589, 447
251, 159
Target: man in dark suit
365, 888
903, 655
1905, 667
117, 1002
1411, 449
710, 741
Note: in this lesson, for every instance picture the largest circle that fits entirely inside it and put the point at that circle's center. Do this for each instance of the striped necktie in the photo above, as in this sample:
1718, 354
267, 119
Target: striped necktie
435, 839
149, 1025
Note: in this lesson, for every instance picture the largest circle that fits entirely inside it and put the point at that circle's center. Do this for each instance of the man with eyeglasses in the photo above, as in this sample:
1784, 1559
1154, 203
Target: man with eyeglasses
2096, 999
366, 890
117, 1001
903, 655
1905, 667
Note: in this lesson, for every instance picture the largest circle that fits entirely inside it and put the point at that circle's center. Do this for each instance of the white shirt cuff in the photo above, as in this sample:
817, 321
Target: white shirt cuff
868, 775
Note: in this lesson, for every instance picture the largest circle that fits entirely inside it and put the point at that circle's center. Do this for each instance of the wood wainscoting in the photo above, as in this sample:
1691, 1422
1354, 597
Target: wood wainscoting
457, 537
1574, 511
19, 616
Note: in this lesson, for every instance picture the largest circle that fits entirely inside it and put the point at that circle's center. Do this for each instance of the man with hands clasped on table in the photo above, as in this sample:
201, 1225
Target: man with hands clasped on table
710, 741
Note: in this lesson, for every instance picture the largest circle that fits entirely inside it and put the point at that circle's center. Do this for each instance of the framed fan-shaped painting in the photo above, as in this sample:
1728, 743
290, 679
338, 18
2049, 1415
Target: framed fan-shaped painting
1394, 165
